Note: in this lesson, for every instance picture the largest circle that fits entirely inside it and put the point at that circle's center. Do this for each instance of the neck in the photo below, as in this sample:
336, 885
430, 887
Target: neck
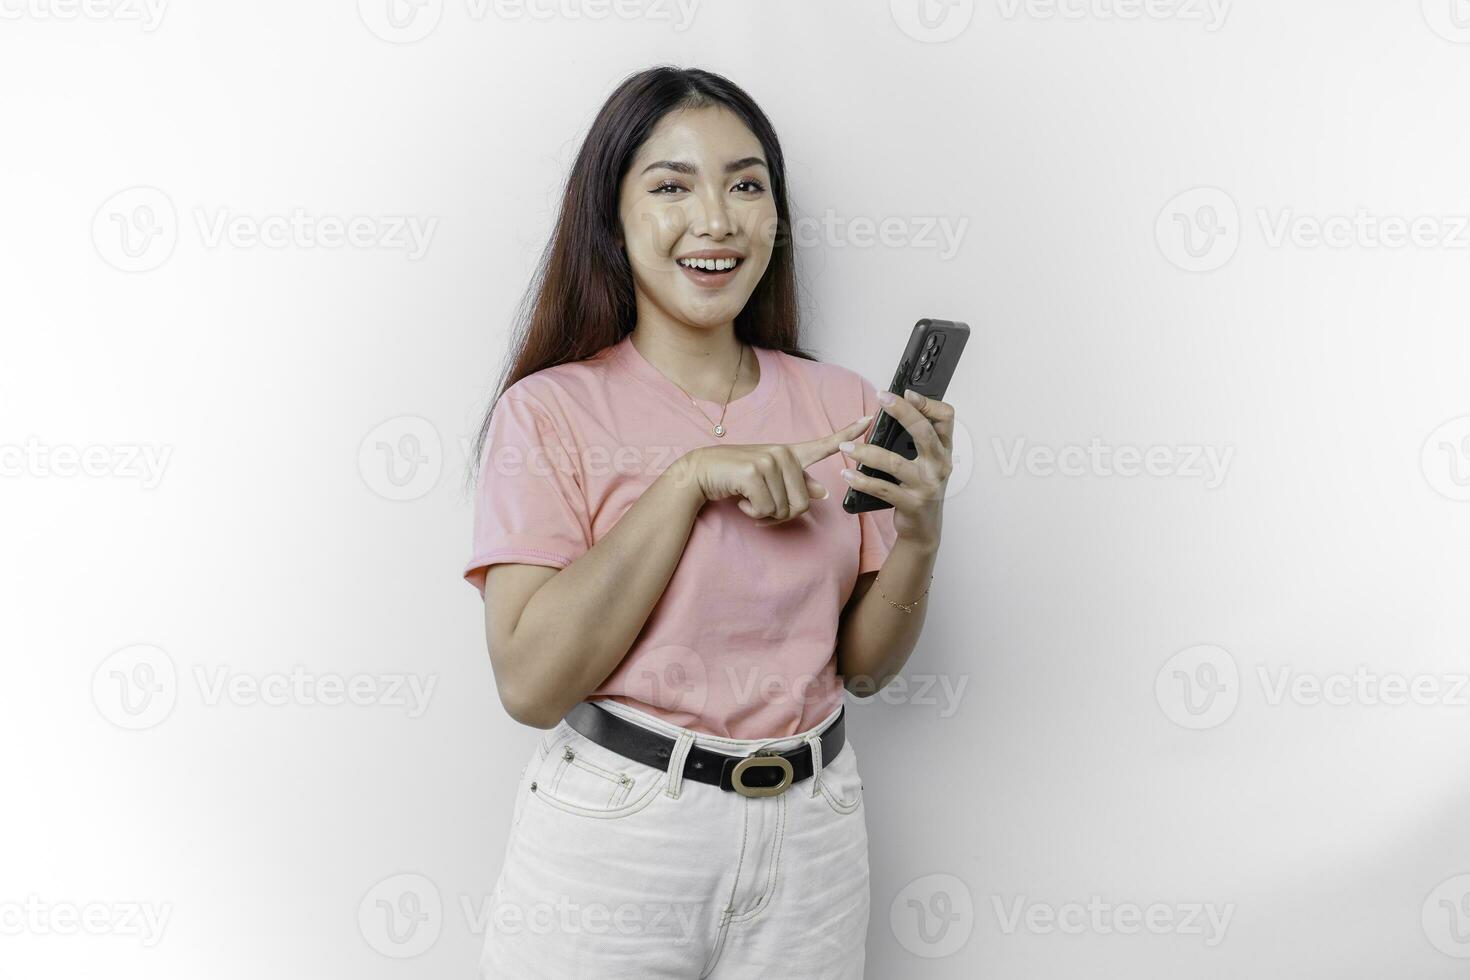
701, 360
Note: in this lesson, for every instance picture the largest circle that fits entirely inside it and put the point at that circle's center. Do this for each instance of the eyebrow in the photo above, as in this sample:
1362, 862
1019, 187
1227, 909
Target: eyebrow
678, 166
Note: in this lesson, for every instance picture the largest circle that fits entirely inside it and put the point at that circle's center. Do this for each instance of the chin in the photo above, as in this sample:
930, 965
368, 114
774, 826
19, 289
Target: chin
710, 315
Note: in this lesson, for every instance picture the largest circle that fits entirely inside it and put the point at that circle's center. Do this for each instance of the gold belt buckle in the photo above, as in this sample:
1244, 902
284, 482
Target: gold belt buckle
764, 758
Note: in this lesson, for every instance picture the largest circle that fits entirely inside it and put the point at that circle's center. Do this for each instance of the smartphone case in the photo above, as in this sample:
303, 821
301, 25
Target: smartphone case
927, 365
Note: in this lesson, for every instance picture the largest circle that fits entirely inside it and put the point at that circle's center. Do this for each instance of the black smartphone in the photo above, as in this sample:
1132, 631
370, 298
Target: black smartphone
927, 364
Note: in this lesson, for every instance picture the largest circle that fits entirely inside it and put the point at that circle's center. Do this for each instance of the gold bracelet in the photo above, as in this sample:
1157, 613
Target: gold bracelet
906, 607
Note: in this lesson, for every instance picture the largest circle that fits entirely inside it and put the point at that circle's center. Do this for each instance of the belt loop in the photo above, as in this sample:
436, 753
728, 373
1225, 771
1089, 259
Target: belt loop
815, 742
682, 744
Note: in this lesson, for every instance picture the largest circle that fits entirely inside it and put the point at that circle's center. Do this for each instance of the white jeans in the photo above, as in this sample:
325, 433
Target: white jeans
616, 870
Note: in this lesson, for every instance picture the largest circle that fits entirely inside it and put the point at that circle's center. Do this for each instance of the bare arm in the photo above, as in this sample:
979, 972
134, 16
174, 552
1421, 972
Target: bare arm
874, 638
556, 634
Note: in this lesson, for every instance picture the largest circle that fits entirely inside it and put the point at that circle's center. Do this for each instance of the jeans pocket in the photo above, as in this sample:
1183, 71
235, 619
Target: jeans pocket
840, 783
580, 776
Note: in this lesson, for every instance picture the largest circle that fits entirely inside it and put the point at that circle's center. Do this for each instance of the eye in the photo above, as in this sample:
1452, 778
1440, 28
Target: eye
667, 185
754, 185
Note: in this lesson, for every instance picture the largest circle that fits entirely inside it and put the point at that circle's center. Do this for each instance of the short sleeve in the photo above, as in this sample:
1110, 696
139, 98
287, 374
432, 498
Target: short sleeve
529, 502
878, 532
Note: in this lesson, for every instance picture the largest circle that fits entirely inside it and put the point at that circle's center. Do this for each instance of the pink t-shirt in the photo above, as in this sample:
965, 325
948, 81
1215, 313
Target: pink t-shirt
741, 644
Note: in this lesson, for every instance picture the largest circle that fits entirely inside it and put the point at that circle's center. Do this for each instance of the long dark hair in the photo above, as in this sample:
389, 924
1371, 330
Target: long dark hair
581, 297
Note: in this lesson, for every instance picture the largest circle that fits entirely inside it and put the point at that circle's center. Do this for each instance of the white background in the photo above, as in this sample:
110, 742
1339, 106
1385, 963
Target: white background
1116, 641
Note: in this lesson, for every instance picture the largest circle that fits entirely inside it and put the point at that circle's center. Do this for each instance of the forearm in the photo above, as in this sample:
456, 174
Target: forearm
875, 638
576, 629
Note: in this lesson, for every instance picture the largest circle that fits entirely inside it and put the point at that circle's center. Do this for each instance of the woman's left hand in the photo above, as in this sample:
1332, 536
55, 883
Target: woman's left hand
918, 497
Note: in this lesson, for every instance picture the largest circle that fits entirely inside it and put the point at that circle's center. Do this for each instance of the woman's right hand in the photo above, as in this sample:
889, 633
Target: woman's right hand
770, 478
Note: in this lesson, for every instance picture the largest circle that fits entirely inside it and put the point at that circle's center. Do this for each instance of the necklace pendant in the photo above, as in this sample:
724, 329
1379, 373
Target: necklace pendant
719, 430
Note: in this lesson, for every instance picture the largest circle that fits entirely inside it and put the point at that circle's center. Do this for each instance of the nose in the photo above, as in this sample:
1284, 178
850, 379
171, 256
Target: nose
713, 220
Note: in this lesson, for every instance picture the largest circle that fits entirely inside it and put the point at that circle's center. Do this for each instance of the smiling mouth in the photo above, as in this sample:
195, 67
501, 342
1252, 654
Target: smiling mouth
710, 265
710, 272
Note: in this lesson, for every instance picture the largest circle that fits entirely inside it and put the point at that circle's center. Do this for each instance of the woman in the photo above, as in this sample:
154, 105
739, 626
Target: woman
672, 590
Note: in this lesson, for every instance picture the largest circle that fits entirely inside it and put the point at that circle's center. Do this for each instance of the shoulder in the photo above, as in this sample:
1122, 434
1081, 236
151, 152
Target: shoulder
563, 391
839, 388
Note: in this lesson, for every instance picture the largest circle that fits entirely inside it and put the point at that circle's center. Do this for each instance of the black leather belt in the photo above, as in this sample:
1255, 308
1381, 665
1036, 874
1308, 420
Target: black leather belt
766, 773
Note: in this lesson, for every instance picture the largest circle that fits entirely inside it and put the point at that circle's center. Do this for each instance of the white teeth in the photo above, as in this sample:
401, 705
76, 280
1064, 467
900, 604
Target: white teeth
709, 265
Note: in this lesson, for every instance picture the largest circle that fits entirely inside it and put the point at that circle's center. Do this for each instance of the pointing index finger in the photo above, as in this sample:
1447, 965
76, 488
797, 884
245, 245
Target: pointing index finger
821, 447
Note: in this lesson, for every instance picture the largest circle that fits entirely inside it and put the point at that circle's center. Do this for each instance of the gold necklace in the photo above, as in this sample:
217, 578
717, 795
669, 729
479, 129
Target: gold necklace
719, 427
